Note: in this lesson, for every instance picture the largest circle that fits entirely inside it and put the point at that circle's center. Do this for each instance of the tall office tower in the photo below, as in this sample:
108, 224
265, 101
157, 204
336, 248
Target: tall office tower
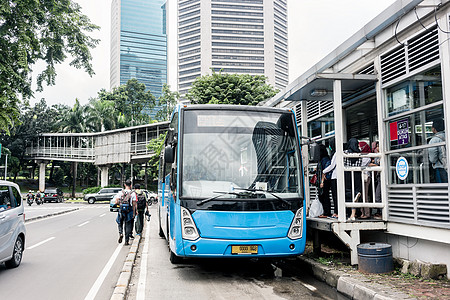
236, 36
139, 44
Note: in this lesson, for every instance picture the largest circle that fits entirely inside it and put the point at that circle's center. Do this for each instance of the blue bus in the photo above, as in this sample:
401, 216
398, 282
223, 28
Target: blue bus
231, 183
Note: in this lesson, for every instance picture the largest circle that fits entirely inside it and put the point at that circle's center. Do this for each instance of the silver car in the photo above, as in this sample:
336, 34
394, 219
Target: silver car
105, 194
12, 224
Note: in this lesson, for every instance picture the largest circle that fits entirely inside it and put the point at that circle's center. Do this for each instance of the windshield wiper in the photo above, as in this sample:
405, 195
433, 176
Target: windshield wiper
215, 197
263, 191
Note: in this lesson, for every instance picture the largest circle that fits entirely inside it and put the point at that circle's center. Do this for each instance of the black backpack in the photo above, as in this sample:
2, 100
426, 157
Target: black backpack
141, 201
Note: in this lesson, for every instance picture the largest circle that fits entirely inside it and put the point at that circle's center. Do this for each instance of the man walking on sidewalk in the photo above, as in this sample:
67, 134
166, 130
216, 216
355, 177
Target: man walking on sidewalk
127, 208
141, 207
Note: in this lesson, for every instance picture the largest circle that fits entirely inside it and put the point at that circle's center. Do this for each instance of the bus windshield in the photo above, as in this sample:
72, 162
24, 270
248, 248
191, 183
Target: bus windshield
247, 154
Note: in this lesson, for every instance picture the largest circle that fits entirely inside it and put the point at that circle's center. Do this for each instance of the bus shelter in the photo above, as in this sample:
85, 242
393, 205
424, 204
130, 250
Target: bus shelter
389, 82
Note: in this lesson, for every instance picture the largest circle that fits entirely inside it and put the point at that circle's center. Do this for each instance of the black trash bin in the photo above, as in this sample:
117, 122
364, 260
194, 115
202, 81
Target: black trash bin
375, 258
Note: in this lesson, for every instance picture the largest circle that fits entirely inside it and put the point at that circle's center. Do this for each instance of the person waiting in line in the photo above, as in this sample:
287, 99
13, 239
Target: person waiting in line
352, 193
127, 203
437, 155
141, 207
331, 169
367, 177
375, 163
324, 182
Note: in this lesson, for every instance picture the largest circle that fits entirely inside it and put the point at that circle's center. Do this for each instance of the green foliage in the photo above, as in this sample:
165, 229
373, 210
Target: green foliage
167, 101
74, 120
156, 146
92, 190
131, 101
38, 30
101, 115
241, 89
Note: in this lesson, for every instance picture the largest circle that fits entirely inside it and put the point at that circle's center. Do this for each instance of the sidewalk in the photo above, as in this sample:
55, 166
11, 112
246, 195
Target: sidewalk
334, 269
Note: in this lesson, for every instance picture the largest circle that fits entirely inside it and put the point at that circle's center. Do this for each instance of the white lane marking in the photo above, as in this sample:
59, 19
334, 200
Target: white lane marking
82, 224
40, 243
102, 215
140, 295
98, 283
48, 218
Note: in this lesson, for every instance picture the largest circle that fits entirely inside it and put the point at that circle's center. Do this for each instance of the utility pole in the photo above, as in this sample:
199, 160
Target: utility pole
6, 164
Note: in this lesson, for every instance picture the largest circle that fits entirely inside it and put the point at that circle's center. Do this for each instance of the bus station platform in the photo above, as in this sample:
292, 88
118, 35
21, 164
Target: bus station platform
347, 232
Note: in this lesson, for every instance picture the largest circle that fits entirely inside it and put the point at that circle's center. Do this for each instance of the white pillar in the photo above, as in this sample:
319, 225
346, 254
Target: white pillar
305, 152
132, 181
382, 139
104, 176
338, 134
42, 176
444, 52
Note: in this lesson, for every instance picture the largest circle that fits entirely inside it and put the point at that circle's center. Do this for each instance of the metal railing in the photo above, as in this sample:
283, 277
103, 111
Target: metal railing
368, 177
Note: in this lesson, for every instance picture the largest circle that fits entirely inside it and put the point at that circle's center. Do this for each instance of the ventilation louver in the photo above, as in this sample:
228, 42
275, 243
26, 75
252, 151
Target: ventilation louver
418, 51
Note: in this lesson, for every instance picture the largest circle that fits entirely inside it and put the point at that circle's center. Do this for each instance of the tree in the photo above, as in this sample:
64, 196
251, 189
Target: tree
101, 115
219, 88
74, 119
131, 102
38, 30
32, 121
167, 101
155, 145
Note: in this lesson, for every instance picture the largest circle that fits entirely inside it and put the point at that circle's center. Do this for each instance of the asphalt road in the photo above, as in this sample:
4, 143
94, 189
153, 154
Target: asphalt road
154, 277
69, 256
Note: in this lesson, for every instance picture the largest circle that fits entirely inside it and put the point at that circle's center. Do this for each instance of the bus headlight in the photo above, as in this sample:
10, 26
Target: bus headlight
188, 228
296, 229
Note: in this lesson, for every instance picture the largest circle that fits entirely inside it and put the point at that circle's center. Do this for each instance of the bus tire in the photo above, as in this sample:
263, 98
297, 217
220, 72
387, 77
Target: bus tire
161, 232
175, 259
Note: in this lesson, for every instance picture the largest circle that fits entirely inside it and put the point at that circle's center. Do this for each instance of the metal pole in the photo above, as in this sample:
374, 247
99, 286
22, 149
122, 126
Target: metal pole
6, 164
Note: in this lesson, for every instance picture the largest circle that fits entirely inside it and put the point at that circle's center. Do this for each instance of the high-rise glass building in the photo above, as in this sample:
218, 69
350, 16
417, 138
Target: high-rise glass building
236, 36
139, 43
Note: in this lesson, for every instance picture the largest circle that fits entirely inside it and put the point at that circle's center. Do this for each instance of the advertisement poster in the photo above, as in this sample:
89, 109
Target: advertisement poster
399, 131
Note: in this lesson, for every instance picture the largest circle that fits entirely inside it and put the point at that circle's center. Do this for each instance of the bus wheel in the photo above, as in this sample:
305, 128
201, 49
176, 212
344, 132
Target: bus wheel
175, 259
161, 232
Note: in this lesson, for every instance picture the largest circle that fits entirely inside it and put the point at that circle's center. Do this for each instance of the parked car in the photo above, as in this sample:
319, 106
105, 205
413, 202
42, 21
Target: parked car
112, 204
53, 195
12, 224
104, 194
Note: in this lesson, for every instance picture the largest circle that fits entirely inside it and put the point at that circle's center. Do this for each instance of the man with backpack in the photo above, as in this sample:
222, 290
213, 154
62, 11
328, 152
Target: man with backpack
437, 155
127, 210
141, 207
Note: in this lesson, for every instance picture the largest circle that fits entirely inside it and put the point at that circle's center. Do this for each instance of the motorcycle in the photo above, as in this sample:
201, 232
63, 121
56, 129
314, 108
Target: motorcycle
39, 199
30, 199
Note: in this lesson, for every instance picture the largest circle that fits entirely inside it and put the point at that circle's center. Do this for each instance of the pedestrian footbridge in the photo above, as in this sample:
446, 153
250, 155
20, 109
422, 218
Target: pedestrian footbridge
125, 145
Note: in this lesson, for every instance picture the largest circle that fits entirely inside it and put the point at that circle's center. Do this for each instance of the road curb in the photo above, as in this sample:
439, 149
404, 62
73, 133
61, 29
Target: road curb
120, 291
353, 286
51, 215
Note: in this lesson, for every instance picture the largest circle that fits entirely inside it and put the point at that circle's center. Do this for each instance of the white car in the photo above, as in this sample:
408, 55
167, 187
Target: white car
12, 224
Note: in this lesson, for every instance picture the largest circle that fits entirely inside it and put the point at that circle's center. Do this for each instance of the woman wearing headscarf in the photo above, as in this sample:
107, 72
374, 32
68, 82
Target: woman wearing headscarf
352, 193
331, 169
325, 182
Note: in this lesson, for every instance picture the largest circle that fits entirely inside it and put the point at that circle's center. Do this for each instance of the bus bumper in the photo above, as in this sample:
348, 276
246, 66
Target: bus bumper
277, 247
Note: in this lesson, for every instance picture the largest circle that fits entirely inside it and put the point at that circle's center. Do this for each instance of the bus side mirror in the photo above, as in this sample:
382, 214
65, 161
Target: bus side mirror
169, 155
314, 152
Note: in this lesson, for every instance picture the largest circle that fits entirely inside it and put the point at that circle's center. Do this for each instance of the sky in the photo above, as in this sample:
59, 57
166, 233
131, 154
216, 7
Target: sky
315, 28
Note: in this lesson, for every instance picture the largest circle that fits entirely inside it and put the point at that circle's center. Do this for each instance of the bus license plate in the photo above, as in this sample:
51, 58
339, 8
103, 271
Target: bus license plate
244, 249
